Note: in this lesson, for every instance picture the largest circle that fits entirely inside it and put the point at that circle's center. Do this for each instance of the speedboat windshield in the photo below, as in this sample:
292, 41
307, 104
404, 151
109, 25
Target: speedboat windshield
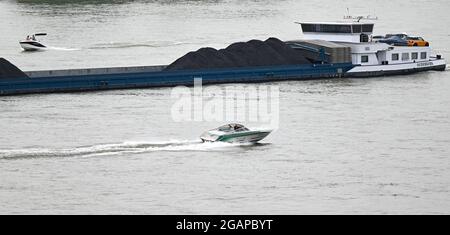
232, 128
33, 36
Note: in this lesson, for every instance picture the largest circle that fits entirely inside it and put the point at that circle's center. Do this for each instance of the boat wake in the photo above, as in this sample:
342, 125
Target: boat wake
49, 48
62, 49
117, 149
114, 45
121, 45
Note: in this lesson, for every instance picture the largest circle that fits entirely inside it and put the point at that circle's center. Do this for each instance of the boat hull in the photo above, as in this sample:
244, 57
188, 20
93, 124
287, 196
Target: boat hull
239, 137
32, 46
80, 80
396, 69
127, 78
244, 138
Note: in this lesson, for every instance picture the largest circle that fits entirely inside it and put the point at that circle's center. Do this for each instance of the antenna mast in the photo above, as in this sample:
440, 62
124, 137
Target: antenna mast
359, 18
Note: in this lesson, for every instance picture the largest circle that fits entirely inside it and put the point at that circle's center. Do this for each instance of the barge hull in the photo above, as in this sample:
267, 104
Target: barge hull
393, 70
130, 80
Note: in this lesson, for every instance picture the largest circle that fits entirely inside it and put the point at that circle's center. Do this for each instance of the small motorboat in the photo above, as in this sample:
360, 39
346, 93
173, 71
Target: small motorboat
234, 133
32, 44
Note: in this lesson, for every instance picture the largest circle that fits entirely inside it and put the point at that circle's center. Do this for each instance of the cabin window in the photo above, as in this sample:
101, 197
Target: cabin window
414, 55
336, 28
307, 28
367, 28
357, 28
423, 55
395, 57
405, 56
326, 28
364, 59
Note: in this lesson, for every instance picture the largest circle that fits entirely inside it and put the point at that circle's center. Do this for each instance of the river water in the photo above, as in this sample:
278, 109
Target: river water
364, 146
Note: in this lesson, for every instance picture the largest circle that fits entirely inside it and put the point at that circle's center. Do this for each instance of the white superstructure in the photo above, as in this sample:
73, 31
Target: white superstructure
373, 58
338, 31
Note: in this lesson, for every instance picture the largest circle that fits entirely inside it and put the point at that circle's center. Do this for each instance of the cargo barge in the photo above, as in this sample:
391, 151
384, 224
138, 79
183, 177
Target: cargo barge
244, 62
328, 50
155, 76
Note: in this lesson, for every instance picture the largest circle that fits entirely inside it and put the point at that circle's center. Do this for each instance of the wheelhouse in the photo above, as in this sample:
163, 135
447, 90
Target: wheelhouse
337, 28
338, 31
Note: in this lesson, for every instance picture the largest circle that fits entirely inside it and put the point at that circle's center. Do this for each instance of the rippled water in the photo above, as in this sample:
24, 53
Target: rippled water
378, 145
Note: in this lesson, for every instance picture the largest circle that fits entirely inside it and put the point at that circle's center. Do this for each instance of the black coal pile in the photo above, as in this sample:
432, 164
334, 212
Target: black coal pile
8, 70
242, 54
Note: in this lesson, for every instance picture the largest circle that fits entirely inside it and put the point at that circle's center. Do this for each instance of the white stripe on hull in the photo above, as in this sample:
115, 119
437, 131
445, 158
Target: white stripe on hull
377, 70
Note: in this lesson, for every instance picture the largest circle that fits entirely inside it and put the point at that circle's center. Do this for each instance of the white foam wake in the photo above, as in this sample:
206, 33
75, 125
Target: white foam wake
116, 149
119, 45
62, 48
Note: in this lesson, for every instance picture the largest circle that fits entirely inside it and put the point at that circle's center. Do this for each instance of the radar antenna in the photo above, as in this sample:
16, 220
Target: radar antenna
359, 18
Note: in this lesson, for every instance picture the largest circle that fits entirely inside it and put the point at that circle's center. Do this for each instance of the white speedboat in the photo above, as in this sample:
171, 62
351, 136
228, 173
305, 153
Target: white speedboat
31, 43
234, 133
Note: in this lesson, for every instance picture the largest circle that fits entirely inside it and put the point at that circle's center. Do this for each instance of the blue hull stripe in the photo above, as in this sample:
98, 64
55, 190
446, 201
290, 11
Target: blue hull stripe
162, 79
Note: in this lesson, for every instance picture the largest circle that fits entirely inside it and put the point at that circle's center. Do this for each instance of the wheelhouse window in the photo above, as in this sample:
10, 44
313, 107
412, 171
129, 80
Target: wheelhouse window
357, 28
326, 28
364, 59
423, 55
405, 56
367, 28
395, 57
337, 28
414, 55
362, 28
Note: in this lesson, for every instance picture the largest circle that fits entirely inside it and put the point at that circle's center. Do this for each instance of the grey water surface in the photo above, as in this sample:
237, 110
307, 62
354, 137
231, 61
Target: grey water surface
343, 146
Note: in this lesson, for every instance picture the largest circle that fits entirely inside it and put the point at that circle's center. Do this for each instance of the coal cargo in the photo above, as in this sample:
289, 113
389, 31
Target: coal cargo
254, 53
8, 70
